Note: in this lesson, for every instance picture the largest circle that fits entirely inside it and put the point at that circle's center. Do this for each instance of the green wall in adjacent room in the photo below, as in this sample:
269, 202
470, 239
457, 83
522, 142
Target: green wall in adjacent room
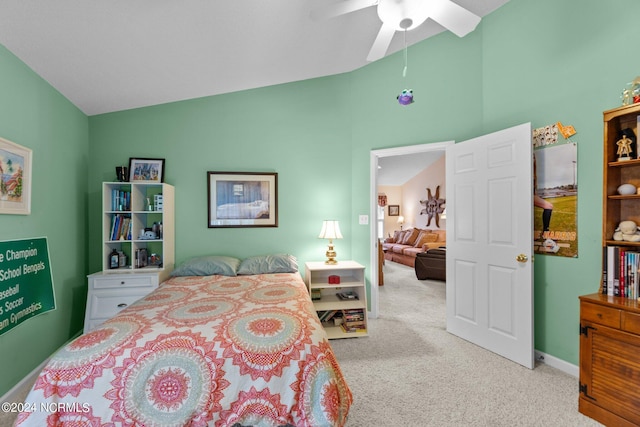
530, 61
34, 115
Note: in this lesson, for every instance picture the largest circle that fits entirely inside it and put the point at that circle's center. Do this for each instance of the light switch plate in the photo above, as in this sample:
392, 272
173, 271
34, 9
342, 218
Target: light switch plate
364, 219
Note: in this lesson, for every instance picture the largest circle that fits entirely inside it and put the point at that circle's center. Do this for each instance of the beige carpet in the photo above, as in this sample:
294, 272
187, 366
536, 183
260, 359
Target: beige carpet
410, 372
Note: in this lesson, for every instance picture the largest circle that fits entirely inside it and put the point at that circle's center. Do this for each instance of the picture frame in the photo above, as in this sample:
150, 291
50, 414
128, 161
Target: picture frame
15, 178
242, 199
394, 210
145, 169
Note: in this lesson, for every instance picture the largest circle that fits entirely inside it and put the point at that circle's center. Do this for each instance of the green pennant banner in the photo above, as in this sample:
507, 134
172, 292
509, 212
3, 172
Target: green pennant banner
26, 283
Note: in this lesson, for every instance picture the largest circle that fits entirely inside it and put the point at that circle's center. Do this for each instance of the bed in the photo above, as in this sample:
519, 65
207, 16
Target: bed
252, 210
226, 349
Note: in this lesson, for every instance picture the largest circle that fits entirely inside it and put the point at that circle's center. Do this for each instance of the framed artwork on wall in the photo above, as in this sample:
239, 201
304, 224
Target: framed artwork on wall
242, 199
394, 210
141, 169
15, 178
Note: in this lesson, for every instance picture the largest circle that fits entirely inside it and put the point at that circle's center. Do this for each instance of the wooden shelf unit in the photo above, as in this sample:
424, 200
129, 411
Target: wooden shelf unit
610, 325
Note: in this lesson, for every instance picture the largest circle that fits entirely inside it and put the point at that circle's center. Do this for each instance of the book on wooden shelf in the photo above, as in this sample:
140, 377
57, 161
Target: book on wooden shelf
621, 272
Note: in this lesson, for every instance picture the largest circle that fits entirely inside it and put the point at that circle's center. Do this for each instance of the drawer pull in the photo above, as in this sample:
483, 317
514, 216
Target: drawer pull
122, 305
123, 282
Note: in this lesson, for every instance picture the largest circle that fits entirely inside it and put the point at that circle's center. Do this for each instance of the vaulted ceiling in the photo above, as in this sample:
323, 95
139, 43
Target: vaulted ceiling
120, 54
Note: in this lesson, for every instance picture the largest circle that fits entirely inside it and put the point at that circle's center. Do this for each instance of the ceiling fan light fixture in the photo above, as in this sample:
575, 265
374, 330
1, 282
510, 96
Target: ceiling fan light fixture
402, 14
406, 23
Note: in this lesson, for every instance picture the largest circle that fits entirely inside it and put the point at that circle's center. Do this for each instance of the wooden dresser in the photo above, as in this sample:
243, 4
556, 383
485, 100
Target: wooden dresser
610, 359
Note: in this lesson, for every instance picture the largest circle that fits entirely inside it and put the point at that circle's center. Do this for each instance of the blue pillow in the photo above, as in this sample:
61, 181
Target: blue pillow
207, 266
278, 263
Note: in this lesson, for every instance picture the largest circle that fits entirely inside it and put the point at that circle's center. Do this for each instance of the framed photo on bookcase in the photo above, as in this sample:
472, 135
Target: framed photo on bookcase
151, 170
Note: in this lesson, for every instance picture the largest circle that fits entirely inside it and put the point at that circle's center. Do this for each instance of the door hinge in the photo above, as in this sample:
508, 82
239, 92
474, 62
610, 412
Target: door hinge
583, 390
584, 330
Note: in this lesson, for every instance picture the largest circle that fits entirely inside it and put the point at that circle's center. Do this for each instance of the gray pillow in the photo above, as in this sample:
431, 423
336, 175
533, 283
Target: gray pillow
207, 266
278, 263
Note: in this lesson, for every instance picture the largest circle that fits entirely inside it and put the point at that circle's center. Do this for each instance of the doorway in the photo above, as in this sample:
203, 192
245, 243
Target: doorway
376, 156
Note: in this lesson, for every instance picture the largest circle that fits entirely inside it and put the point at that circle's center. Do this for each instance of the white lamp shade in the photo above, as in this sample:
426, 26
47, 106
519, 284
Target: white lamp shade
330, 230
400, 219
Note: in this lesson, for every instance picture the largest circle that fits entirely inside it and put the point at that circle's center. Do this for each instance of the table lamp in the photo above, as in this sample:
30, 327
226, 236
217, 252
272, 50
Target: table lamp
330, 230
400, 221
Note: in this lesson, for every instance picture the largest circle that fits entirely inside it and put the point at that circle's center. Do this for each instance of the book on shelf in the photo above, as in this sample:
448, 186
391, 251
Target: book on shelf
327, 315
120, 200
620, 272
120, 227
354, 315
347, 295
351, 327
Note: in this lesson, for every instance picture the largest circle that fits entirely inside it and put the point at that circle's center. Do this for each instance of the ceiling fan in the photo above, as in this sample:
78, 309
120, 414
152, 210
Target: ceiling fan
404, 15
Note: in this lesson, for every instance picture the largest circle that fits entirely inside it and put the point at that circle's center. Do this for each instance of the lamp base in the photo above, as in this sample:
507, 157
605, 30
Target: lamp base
331, 255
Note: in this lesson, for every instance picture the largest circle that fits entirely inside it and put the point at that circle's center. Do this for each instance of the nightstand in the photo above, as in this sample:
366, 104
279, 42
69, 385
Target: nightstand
109, 293
341, 316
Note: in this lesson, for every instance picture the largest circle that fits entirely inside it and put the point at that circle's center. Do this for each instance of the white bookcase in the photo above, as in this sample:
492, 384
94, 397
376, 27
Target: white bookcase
326, 300
135, 205
129, 210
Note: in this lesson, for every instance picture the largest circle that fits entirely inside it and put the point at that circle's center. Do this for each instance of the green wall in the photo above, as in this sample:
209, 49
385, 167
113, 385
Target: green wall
34, 115
300, 130
539, 61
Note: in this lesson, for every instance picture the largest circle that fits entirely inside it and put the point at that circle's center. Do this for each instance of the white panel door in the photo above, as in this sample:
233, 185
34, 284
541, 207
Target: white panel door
489, 242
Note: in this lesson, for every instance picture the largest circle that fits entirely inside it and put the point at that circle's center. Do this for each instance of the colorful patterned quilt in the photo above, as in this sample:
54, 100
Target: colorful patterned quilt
198, 351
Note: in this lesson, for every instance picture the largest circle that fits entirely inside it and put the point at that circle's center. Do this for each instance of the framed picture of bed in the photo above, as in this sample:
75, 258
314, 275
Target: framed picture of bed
15, 178
242, 199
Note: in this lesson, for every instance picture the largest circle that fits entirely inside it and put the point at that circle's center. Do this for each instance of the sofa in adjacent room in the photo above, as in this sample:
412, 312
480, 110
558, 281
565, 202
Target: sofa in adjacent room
404, 245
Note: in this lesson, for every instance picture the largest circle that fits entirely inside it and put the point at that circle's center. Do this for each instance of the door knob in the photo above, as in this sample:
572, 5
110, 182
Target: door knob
522, 258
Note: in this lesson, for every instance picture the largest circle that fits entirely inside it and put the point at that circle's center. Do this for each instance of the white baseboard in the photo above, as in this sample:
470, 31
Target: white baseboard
559, 364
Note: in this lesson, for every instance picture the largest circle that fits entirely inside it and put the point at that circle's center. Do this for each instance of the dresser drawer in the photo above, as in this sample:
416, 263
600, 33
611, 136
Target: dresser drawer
596, 313
128, 281
108, 304
631, 322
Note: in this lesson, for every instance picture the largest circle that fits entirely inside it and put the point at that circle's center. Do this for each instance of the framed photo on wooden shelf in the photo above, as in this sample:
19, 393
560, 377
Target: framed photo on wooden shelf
242, 199
394, 210
15, 178
141, 169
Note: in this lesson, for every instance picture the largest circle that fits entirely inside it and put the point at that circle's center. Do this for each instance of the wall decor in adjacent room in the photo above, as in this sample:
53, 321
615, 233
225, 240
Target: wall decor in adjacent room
433, 206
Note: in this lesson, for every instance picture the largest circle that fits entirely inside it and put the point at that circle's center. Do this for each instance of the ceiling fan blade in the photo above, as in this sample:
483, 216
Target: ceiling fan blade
340, 8
381, 43
453, 17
